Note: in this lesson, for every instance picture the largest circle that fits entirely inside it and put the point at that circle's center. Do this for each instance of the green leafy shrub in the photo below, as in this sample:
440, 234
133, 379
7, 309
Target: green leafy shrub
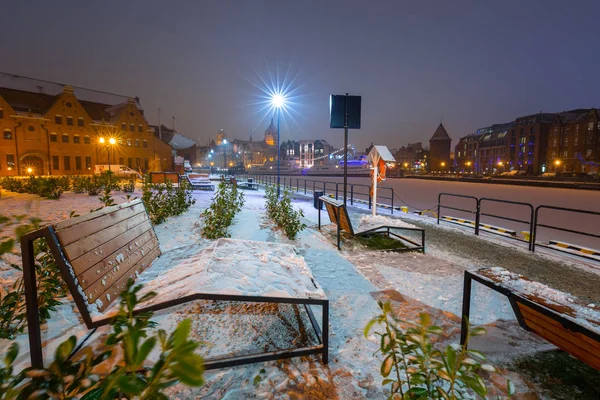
94, 185
415, 369
50, 286
226, 203
79, 184
107, 199
134, 336
163, 200
13, 184
282, 212
129, 185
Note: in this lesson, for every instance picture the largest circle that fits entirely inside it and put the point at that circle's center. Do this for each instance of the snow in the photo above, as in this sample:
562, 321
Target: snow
259, 260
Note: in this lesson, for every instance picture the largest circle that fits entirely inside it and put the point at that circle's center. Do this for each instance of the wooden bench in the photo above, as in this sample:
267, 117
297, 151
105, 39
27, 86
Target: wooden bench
338, 215
162, 177
99, 252
555, 322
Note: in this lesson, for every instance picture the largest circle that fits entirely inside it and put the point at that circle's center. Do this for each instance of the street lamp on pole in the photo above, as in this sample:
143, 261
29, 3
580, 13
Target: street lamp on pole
110, 142
278, 101
225, 155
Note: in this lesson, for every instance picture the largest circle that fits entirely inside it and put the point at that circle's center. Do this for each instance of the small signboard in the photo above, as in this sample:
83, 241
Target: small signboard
339, 105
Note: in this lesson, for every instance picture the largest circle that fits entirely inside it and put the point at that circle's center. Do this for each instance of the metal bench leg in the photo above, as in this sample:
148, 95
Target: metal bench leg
31, 303
325, 333
466, 309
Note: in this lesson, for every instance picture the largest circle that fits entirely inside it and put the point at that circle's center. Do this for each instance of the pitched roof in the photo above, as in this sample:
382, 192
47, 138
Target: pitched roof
22, 101
440, 134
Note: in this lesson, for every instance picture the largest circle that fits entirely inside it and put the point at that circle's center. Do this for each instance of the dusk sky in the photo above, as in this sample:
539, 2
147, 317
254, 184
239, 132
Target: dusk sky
474, 63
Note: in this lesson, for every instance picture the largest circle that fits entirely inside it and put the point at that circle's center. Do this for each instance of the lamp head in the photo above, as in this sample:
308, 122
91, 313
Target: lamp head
112, 140
102, 140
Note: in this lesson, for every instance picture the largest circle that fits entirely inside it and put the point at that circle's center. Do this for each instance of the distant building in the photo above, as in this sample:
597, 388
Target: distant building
53, 129
528, 143
439, 150
574, 142
255, 153
182, 145
484, 151
413, 156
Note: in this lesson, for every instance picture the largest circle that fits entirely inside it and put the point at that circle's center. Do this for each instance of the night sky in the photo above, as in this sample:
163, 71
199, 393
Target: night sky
473, 63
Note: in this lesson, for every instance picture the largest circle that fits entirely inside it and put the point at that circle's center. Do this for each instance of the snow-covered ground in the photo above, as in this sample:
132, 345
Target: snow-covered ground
351, 280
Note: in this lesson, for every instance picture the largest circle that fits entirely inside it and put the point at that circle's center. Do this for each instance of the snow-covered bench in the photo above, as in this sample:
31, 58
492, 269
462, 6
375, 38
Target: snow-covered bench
162, 177
338, 215
99, 252
558, 317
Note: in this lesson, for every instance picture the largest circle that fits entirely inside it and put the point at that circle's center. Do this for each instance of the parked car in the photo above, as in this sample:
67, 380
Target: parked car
117, 170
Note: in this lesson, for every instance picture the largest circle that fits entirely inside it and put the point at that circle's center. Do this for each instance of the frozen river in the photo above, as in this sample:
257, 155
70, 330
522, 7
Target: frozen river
423, 194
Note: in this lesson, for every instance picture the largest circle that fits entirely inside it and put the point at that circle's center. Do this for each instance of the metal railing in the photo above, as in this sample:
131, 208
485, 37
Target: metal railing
530, 223
471, 211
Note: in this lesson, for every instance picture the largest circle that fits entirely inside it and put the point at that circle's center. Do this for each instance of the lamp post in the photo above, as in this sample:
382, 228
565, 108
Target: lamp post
278, 101
225, 155
110, 142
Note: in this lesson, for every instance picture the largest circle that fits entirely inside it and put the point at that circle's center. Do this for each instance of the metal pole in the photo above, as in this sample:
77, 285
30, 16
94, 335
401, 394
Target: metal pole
466, 309
345, 148
108, 157
278, 150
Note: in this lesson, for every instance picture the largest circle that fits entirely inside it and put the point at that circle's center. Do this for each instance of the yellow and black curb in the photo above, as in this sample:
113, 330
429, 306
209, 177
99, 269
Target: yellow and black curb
486, 227
574, 249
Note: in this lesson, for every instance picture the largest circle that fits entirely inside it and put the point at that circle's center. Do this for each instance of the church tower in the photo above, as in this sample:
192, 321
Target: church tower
270, 134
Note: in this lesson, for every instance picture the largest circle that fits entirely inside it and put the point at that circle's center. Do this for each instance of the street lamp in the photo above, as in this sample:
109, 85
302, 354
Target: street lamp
225, 155
110, 142
556, 164
278, 101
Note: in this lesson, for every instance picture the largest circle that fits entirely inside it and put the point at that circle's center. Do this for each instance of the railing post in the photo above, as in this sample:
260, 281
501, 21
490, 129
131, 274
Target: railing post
535, 222
336, 191
392, 201
477, 217
466, 309
305, 186
351, 194
31, 303
439, 207
370, 197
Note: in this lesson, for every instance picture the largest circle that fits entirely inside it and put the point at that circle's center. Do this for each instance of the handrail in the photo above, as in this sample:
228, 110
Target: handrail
538, 224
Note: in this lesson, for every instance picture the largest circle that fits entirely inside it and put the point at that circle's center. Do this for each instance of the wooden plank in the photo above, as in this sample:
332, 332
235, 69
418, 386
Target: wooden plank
561, 342
331, 210
77, 249
345, 222
87, 228
96, 214
119, 286
95, 255
119, 269
161, 177
98, 271
556, 327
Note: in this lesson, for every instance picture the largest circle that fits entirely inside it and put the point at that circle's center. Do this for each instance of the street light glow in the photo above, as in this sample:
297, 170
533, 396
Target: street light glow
112, 140
278, 100
101, 140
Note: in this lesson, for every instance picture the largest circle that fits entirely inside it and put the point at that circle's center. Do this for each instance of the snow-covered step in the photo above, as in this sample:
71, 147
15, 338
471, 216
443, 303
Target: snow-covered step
575, 249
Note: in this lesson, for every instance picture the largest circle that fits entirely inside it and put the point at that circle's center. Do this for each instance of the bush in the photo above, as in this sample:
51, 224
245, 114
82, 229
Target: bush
79, 184
94, 185
50, 187
69, 378
163, 200
129, 185
416, 369
49, 283
226, 203
282, 212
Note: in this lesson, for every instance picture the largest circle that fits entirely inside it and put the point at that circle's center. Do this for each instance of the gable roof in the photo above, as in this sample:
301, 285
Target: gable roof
440, 134
22, 101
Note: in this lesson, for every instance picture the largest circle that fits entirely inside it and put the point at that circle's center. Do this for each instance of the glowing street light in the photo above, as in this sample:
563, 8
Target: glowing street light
110, 142
278, 102
30, 170
557, 162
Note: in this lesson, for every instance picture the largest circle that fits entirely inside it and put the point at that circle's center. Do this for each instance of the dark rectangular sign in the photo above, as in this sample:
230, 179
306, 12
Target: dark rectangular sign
339, 105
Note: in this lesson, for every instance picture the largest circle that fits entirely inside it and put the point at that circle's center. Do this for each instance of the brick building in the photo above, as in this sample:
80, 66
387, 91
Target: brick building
51, 131
574, 142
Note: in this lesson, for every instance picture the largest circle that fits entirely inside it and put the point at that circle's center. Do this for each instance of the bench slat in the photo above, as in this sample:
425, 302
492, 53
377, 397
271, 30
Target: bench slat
117, 287
98, 288
87, 228
531, 316
563, 342
96, 214
105, 267
95, 255
82, 246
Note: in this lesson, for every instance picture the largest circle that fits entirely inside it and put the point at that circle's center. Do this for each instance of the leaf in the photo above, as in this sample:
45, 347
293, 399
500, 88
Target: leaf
94, 394
180, 334
130, 385
6, 246
443, 393
11, 354
145, 349
386, 366
478, 331
416, 393
63, 351
368, 327
510, 387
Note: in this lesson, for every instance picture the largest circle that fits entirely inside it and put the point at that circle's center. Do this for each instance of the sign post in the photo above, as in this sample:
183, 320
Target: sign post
345, 113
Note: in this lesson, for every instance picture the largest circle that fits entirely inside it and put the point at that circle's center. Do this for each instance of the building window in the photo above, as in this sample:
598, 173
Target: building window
79, 121
129, 142
1, 113
137, 143
146, 163
70, 120
576, 128
124, 126
67, 163
566, 141
88, 162
137, 163
7, 134
53, 137
75, 138
145, 143
132, 127
78, 163
588, 153
55, 165
57, 119
65, 138
86, 140
130, 162
120, 142
140, 128
576, 140
121, 161
10, 161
